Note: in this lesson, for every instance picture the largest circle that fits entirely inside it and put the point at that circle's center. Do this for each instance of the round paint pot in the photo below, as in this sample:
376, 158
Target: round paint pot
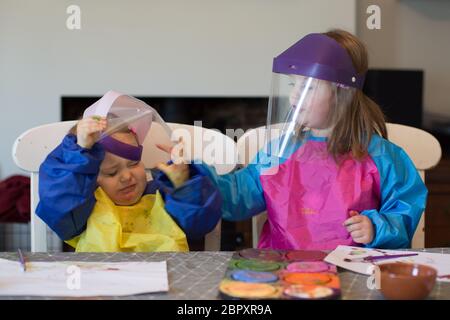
305, 255
256, 265
308, 279
270, 255
308, 267
253, 276
237, 289
299, 291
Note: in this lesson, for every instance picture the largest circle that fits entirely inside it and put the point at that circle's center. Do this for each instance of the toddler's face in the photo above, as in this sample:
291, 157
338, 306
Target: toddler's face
123, 180
317, 101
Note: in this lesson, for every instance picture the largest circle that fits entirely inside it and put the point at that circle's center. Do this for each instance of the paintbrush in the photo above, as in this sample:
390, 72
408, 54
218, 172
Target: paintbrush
377, 258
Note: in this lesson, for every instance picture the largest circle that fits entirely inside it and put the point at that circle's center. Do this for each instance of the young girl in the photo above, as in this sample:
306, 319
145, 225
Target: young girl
94, 192
328, 175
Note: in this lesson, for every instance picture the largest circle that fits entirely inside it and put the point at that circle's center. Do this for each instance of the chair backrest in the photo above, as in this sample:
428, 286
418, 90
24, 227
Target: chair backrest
422, 147
32, 146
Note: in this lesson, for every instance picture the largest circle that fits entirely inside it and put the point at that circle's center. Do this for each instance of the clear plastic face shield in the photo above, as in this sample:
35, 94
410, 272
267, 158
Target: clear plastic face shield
130, 113
126, 114
298, 107
313, 83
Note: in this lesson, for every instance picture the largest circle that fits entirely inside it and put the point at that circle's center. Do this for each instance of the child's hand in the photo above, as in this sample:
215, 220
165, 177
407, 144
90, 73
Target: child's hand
177, 172
88, 131
360, 227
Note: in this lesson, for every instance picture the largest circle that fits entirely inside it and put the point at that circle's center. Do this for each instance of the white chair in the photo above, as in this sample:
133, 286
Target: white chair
32, 146
423, 149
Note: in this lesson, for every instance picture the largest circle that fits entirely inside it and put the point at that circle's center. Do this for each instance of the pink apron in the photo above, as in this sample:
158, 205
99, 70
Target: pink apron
309, 196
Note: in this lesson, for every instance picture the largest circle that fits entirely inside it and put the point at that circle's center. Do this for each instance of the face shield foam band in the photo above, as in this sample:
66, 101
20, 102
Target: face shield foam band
121, 149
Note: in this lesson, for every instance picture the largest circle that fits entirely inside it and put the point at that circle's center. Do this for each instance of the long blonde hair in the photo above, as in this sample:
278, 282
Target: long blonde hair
355, 124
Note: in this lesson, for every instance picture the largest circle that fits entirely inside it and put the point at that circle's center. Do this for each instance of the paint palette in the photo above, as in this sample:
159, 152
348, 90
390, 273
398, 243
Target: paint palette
275, 274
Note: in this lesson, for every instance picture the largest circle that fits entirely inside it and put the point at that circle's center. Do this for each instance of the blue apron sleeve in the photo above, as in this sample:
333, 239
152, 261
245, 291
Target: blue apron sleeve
67, 182
403, 196
241, 191
195, 206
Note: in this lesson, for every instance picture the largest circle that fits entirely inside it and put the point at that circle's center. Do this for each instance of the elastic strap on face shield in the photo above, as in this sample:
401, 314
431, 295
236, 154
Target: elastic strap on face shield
121, 149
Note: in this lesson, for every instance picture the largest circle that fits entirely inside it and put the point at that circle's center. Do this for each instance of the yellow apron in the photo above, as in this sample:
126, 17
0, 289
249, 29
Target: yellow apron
143, 227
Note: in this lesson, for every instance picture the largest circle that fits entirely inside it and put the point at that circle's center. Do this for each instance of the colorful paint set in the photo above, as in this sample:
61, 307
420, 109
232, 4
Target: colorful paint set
271, 274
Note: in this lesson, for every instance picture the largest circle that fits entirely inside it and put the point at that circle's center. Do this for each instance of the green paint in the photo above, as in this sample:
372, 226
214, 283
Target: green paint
256, 265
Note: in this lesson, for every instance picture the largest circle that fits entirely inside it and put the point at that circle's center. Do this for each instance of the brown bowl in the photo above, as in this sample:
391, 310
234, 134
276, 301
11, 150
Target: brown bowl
406, 281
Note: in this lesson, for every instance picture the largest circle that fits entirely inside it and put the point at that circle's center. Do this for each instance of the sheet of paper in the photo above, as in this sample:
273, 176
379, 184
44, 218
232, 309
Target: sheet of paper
82, 279
441, 262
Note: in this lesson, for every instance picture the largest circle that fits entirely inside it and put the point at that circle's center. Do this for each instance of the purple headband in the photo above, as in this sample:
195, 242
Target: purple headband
121, 149
319, 56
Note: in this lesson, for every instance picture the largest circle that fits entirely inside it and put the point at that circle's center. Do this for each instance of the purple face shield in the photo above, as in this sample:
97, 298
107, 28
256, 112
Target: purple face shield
319, 56
311, 79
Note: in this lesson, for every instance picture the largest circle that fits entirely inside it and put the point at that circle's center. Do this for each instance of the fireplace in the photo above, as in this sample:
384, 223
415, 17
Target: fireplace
215, 112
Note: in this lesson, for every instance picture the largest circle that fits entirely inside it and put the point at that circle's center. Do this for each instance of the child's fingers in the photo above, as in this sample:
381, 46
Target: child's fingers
357, 234
164, 148
176, 174
163, 167
362, 239
352, 220
362, 231
176, 152
93, 127
94, 119
354, 227
98, 118
100, 121
90, 126
348, 222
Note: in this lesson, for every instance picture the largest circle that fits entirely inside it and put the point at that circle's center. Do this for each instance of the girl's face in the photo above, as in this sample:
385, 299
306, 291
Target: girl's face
123, 180
316, 105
